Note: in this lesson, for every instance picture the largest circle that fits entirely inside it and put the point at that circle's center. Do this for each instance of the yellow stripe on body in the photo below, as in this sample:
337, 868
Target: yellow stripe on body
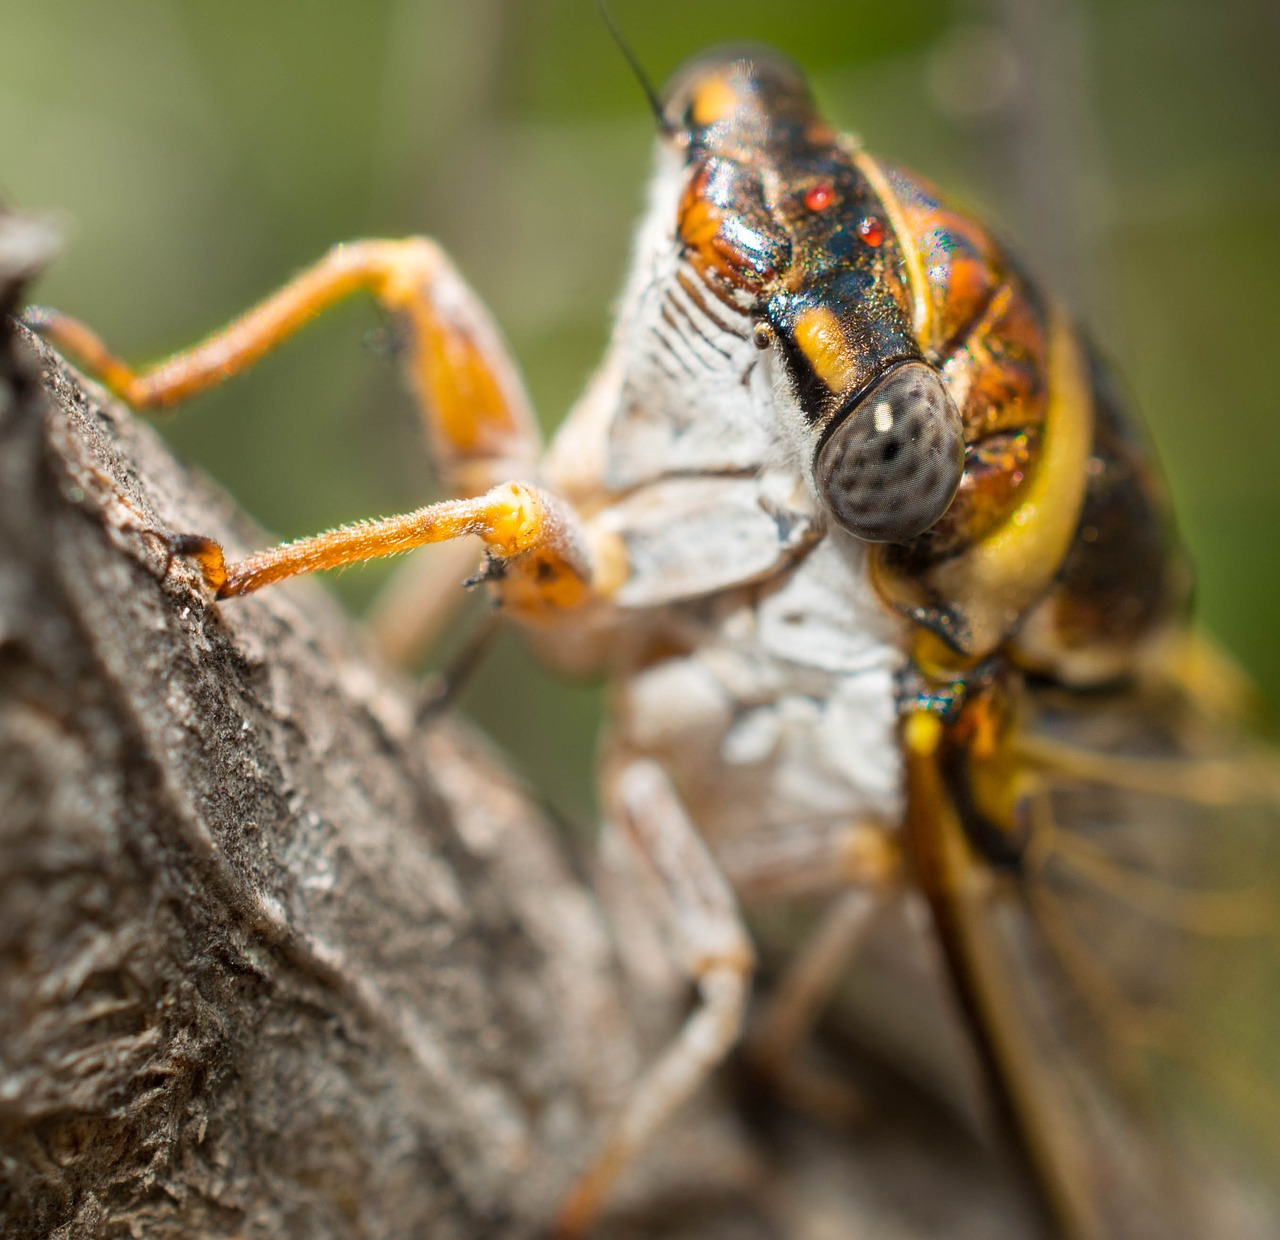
822, 341
994, 583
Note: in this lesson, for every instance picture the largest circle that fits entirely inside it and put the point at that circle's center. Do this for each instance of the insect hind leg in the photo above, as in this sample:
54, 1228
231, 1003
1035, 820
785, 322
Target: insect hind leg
794, 1010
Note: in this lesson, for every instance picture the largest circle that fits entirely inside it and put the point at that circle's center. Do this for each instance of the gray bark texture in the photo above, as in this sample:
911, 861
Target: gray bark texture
275, 960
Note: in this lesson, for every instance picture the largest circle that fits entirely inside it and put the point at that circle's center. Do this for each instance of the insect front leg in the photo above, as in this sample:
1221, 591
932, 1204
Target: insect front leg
543, 565
477, 415
715, 951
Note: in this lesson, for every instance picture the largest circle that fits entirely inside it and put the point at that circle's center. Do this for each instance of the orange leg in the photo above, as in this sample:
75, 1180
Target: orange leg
478, 418
545, 565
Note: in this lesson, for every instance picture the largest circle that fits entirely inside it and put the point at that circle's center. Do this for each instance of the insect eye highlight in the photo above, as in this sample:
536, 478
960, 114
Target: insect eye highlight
893, 463
819, 197
871, 230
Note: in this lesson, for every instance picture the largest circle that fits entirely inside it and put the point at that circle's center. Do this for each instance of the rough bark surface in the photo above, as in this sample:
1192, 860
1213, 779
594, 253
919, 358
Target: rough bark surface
274, 960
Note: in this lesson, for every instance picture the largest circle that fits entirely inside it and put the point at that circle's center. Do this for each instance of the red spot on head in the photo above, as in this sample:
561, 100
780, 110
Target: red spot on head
871, 230
819, 197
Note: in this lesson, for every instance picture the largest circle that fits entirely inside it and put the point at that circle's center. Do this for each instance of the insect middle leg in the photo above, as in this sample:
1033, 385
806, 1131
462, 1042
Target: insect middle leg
860, 861
715, 951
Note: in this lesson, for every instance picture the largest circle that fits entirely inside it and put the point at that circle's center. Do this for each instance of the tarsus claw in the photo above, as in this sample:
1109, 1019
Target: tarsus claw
206, 553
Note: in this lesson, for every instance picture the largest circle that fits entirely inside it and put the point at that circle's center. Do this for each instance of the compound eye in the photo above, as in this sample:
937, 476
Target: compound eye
893, 463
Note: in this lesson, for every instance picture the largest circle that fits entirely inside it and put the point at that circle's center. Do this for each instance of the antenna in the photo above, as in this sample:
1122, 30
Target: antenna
655, 104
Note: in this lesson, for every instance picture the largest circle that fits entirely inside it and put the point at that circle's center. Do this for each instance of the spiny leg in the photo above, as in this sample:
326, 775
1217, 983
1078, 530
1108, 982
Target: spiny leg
545, 564
716, 953
476, 412
469, 393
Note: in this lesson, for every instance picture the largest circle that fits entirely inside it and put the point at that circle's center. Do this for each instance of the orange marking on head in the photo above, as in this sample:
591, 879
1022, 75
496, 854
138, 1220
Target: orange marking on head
821, 339
713, 101
699, 221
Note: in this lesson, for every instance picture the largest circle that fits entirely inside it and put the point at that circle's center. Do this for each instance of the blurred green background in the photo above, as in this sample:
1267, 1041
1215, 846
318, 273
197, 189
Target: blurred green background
198, 152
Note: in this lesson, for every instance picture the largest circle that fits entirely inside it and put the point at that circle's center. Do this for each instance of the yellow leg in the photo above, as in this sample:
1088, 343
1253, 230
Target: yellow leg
477, 415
